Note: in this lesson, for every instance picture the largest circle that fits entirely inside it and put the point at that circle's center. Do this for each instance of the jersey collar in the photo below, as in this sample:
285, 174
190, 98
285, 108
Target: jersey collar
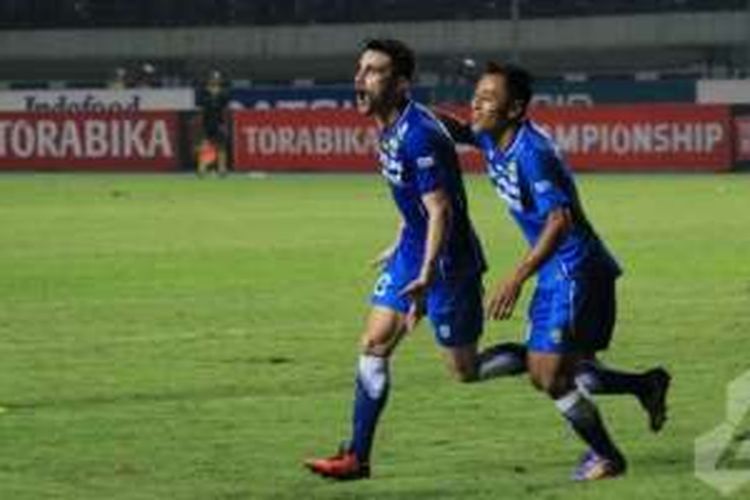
495, 151
516, 139
397, 124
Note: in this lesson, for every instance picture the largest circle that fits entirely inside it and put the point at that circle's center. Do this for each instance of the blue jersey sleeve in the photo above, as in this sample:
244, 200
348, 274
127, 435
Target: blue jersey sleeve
544, 171
428, 161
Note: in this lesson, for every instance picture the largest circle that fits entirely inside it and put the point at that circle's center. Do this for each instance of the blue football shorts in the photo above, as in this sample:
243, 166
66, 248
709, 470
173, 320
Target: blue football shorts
572, 315
453, 305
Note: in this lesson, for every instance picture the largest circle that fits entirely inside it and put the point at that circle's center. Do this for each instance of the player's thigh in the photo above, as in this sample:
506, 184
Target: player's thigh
462, 361
384, 328
571, 316
556, 345
454, 307
395, 275
594, 306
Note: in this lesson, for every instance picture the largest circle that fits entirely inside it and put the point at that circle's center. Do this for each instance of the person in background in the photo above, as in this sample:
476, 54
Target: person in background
147, 76
119, 80
212, 100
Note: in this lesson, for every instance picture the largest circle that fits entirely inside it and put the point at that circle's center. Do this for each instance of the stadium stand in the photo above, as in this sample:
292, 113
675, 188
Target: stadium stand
35, 14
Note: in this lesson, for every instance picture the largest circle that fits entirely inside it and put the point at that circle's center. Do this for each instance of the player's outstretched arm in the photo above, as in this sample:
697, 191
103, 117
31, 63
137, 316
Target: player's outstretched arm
503, 300
459, 130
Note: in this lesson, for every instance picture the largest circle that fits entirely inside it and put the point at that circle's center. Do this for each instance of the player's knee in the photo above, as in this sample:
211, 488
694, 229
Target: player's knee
371, 347
586, 377
552, 384
557, 387
463, 364
374, 346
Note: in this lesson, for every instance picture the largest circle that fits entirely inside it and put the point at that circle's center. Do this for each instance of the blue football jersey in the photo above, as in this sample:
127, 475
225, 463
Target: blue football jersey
533, 180
417, 156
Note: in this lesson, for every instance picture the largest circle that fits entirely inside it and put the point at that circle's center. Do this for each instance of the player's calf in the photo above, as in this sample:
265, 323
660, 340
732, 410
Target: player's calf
501, 360
371, 387
554, 374
651, 387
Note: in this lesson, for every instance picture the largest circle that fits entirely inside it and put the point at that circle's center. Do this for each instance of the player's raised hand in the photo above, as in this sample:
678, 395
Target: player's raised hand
503, 300
416, 291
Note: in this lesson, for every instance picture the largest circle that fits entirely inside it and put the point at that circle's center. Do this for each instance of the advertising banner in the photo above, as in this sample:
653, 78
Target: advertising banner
649, 137
590, 93
97, 100
603, 138
742, 137
146, 141
321, 140
723, 91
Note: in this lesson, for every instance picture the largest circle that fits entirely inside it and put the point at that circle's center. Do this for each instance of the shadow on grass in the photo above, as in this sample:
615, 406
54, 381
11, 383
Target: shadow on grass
667, 461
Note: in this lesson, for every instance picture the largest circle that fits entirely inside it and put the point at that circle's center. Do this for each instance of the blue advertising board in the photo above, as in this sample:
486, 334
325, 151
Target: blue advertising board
314, 97
589, 93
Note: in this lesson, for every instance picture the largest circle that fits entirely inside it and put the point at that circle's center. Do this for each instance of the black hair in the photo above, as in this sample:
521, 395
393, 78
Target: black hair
518, 81
401, 55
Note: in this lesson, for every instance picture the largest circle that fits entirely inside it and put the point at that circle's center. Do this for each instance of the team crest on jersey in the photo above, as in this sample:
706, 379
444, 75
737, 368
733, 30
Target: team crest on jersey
556, 336
444, 331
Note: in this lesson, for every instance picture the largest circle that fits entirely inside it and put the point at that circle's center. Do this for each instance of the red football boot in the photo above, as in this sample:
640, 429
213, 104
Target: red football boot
344, 466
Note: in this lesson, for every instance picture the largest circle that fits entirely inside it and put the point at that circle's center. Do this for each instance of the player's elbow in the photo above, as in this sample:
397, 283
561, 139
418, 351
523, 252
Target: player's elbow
561, 220
440, 210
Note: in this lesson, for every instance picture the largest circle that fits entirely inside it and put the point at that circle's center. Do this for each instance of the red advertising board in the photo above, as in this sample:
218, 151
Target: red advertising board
742, 137
643, 137
654, 137
143, 141
304, 140
635, 137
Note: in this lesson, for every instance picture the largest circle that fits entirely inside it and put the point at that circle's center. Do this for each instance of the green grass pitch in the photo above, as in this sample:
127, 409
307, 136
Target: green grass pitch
165, 337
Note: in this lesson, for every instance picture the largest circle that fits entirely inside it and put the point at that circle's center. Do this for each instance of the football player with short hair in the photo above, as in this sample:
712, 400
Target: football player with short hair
436, 265
572, 312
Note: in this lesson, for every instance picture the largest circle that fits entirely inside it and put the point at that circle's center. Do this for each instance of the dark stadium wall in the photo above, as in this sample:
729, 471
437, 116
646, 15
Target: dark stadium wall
594, 44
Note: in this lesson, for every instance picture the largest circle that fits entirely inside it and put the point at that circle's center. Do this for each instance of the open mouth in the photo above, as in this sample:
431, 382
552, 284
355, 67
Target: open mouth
361, 96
